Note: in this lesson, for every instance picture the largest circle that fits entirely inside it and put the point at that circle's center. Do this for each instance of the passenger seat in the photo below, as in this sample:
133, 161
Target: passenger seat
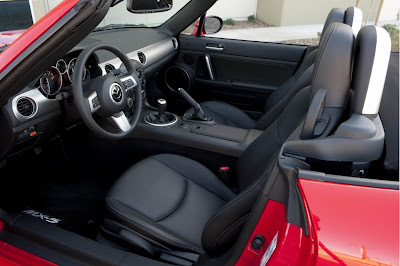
226, 114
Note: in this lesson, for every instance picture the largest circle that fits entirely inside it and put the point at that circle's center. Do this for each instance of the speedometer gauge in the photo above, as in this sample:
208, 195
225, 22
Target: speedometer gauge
62, 66
70, 70
51, 81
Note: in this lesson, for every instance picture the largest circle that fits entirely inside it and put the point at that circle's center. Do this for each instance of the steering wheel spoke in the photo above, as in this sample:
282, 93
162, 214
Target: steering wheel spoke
129, 82
121, 121
93, 101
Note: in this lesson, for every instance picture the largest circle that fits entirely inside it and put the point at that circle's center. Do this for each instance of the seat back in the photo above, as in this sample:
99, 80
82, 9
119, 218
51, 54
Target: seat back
277, 101
389, 113
353, 18
332, 73
358, 140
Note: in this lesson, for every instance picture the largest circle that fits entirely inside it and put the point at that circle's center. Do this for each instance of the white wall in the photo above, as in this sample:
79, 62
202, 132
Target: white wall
235, 9
390, 10
53, 3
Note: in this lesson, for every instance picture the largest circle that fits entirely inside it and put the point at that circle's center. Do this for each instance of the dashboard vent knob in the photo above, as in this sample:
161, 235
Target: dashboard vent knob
142, 58
109, 68
175, 43
26, 107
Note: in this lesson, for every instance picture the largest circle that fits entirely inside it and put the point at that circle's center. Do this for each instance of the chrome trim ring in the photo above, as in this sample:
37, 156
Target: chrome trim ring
116, 93
18, 114
184, 71
173, 122
66, 66
43, 105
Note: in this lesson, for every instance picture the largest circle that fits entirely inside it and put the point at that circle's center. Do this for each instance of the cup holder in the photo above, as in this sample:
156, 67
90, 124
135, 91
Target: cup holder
177, 77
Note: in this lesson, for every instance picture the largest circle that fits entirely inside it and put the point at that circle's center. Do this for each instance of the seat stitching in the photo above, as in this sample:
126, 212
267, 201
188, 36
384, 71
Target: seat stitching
177, 207
152, 229
187, 177
329, 18
277, 133
320, 61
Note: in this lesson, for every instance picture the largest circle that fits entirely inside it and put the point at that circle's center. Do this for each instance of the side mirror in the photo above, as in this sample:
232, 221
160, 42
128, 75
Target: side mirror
148, 6
212, 25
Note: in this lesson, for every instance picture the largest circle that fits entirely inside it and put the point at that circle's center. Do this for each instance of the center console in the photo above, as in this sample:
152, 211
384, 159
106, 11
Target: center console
192, 129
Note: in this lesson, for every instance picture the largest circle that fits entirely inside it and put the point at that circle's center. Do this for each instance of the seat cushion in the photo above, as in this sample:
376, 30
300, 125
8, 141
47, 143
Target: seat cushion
226, 114
167, 198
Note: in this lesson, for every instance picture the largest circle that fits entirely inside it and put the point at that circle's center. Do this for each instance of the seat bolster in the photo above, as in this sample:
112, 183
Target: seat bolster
129, 218
197, 173
335, 15
224, 228
226, 114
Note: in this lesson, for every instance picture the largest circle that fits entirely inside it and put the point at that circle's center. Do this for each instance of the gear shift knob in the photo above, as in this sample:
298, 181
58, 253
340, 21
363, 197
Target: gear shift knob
162, 106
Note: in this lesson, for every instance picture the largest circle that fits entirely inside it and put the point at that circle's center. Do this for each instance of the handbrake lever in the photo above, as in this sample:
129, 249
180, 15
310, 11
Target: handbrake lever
198, 112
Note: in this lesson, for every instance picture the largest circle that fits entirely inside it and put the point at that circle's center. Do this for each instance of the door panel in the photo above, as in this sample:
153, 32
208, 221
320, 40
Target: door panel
244, 73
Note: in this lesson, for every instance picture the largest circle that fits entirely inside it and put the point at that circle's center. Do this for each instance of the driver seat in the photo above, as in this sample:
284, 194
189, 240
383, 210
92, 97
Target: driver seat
174, 203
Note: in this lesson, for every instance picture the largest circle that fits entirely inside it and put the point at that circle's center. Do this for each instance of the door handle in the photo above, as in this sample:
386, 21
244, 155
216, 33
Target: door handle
217, 47
209, 66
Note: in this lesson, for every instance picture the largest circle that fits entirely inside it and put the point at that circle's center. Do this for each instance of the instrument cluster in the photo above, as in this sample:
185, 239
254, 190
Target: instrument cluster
60, 76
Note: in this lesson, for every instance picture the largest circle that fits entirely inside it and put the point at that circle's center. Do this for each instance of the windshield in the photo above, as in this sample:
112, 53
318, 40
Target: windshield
118, 16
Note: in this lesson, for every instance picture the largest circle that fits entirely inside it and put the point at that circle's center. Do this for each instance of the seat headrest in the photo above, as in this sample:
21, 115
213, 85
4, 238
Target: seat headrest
335, 15
353, 18
332, 69
371, 60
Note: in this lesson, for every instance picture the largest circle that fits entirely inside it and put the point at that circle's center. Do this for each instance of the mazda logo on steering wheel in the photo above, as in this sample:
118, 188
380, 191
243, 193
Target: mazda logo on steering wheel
116, 92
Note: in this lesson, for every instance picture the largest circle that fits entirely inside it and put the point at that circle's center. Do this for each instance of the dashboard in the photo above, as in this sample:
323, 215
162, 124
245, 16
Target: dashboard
46, 104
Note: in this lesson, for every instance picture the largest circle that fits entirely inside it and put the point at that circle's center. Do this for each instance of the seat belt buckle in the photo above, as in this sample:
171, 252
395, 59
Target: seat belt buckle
225, 175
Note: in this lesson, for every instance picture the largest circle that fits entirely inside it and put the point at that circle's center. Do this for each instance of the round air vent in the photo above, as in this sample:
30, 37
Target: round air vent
177, 77
109, 68
142, 57
26, 107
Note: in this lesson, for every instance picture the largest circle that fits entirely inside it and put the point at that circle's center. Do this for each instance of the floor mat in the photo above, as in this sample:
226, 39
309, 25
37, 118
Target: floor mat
51, 185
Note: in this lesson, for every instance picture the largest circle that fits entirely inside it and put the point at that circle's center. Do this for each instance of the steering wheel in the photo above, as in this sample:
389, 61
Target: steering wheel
107, 95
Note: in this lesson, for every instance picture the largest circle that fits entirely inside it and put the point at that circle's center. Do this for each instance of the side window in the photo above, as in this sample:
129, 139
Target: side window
293, 22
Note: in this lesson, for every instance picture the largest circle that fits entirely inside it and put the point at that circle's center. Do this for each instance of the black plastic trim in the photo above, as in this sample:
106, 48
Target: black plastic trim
356, 181
59, 244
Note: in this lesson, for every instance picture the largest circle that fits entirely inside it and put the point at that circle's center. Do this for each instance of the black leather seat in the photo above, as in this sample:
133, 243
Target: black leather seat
177, 203
163, 192
227, 114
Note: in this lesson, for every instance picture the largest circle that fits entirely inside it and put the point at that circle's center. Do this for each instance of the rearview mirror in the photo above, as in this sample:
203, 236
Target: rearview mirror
148, 6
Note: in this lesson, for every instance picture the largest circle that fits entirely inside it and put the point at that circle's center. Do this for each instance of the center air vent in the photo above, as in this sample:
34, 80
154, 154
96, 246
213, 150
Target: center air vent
109, 68
26, 107
142, 57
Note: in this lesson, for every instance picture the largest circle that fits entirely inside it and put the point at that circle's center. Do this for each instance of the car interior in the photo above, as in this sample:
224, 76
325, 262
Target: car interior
144, 145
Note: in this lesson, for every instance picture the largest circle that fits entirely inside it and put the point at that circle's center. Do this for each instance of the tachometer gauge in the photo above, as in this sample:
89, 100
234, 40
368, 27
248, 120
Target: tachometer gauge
71, 67
62, 66
70, 70
51, 81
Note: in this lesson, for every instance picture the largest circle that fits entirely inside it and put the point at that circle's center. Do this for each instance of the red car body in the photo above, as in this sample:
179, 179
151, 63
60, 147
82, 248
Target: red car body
349, 224
7, 37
